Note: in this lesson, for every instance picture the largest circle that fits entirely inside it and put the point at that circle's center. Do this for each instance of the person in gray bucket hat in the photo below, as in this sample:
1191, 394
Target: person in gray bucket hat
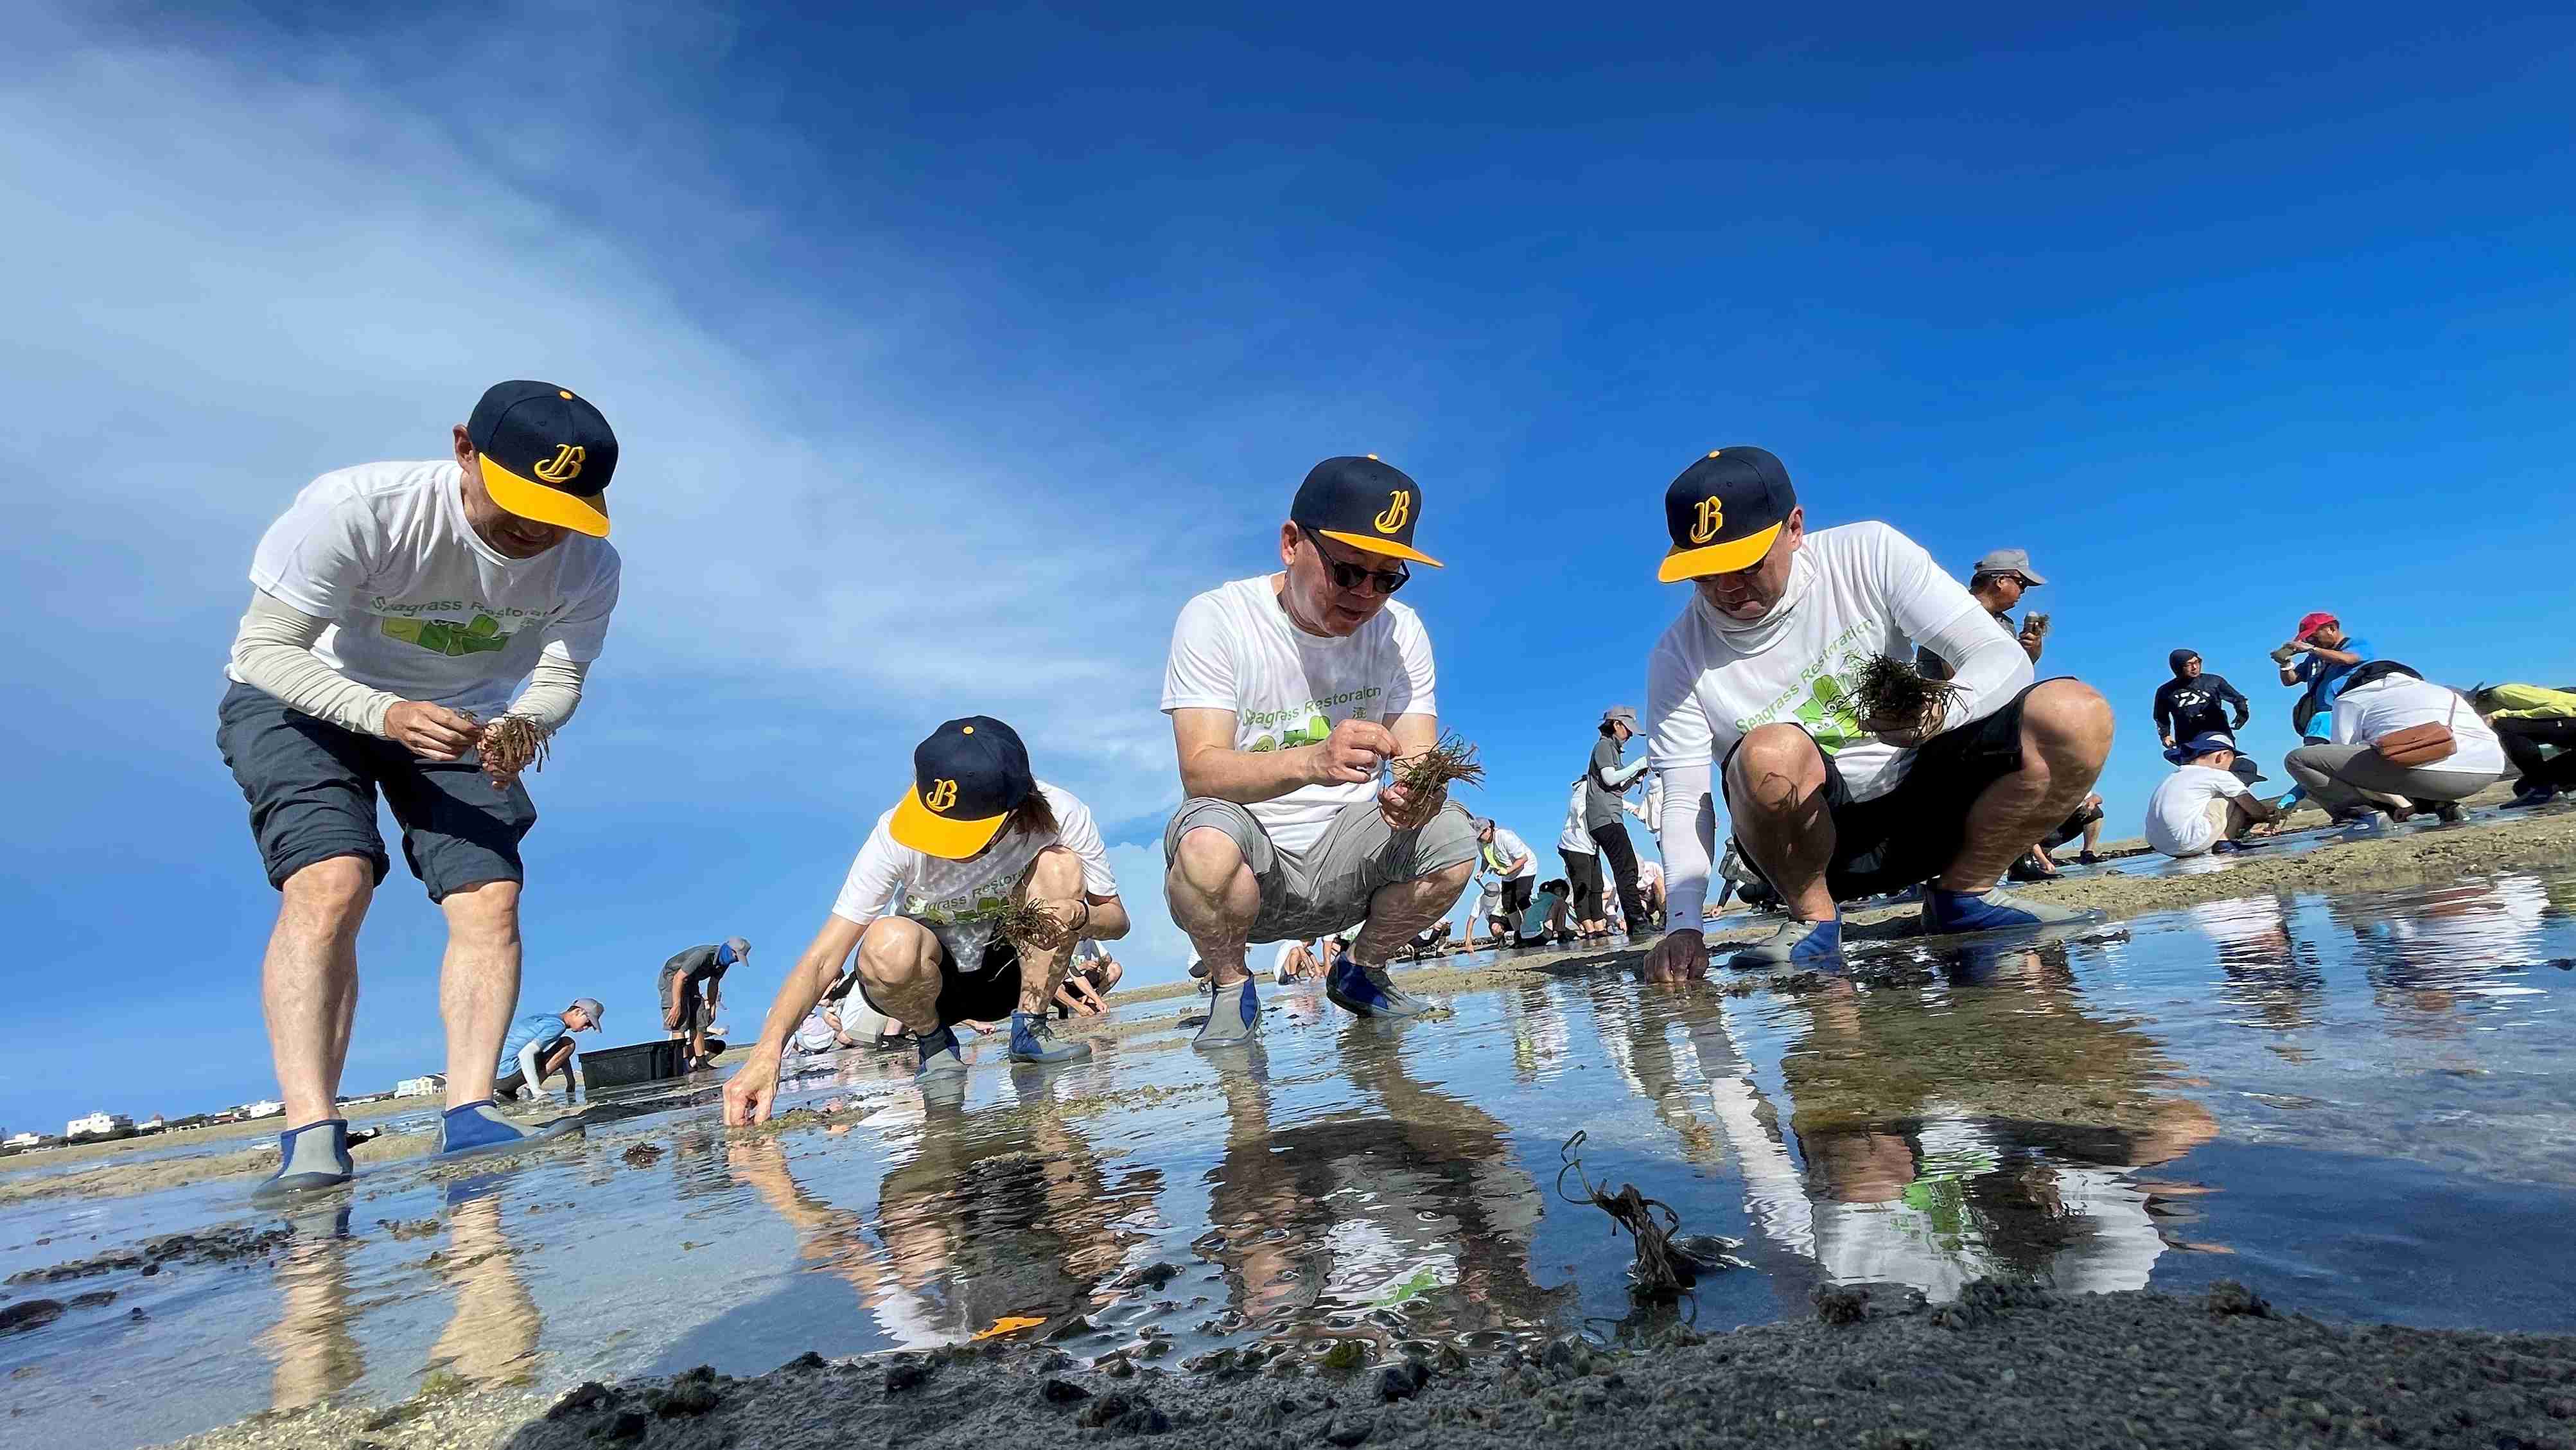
1998, 582
1605, 781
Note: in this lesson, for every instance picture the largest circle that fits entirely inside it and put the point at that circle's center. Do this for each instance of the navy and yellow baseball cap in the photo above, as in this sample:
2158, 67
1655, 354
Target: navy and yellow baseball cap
545, 455
1363, 503
1723, 513
967, 778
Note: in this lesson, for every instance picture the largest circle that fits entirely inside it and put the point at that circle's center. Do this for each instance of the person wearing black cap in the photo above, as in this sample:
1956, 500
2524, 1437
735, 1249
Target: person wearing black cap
1753, 693
1290, 693
976, 833
2195, 702
2205, 805
394, 607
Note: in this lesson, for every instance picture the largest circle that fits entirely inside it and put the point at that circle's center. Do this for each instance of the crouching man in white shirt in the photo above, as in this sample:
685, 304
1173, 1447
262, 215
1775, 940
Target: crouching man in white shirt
1289, 693
976, 836
1752, 692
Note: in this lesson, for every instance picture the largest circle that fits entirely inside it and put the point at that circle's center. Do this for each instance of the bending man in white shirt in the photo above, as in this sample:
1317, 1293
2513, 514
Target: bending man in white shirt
394, 608
1289, 694
1751, 693
976, 834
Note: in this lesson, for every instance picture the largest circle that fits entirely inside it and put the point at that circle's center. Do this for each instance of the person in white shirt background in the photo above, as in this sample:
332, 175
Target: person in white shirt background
1582, 857
2378, 700
976, 832
1514, 875
1751, 693
1289, 694
394, 607
2204, 805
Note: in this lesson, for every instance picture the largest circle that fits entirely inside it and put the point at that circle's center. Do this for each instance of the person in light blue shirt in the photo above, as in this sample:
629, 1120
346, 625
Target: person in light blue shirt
540, 1046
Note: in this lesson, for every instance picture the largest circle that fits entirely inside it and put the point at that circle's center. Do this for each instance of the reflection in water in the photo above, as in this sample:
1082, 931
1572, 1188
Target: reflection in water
1003, 1214
2276, 981
491, 1338
314, 1344
1411, 1219
2456, 944
1985, 1131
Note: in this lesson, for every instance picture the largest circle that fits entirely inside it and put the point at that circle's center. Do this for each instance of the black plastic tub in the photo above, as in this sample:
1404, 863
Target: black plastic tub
625, 1066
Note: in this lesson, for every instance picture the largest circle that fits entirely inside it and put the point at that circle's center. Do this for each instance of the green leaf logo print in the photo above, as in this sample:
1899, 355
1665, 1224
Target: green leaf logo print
1831, 716
439, 636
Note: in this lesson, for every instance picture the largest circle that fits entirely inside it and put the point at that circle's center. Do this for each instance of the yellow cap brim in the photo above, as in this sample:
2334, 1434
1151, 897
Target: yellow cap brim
1724, 558
531, 500
1388, 547
917, 828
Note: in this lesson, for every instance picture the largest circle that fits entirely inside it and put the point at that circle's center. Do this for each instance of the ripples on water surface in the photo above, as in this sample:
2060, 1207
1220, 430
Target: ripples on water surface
2353, 1103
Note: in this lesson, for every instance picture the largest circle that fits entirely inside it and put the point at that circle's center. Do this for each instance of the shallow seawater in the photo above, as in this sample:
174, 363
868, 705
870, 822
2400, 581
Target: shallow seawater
2359, 1105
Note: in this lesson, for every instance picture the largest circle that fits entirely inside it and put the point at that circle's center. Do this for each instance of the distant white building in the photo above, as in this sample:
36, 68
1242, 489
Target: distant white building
264, 1108
421, 1087
152, 1124
97, 1125
24, 1140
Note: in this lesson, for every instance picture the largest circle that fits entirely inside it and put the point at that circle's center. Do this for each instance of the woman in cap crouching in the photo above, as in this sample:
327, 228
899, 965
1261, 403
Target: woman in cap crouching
975, 835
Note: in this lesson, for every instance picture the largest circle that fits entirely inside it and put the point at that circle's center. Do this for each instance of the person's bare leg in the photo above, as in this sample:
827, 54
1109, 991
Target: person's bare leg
1399, 911
478, 984
2065, 737
1054, 881
1214, 897
899, 960
1776, 790
309, 982
2093, 833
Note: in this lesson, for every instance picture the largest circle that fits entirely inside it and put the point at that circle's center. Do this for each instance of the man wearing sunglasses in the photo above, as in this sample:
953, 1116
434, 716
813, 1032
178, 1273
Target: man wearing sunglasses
1752, 699
1289, 693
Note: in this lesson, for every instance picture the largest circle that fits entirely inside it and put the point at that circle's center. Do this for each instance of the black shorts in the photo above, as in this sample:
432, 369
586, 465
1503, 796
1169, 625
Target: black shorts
1517, 893
1910, 834
990, 993
312, 790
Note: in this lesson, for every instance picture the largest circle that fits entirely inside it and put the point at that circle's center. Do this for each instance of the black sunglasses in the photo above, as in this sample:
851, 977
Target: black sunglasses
1348, 576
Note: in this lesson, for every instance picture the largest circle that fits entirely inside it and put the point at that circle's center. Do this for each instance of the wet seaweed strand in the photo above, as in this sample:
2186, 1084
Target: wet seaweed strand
1891, 691
1031, 927
1659, 1275
1426, 777
511, 744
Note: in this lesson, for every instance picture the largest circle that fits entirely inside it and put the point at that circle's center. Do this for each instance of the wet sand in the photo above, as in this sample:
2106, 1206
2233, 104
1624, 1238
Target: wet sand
2000, 1366
2483, 846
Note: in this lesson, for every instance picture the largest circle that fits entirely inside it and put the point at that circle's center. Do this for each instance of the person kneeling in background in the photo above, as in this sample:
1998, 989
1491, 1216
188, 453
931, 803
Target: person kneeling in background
2399, 743
540, 1047
2204, 805
2537, 728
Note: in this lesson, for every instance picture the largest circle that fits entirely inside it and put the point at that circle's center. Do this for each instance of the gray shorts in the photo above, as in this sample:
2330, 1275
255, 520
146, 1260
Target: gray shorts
312, 790
1327, 887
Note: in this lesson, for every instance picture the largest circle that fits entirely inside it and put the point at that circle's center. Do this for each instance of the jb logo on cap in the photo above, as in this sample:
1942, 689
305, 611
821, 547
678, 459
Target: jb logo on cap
1399, 508
943, 794
564, 467
1712, 517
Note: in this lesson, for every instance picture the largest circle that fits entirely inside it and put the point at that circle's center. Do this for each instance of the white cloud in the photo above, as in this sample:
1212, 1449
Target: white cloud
226, 279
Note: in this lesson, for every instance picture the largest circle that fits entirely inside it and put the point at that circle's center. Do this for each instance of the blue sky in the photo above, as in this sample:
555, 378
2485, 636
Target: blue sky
950, 359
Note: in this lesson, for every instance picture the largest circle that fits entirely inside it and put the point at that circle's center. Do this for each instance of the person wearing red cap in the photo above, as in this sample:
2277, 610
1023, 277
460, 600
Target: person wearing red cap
395, 609
2319, 656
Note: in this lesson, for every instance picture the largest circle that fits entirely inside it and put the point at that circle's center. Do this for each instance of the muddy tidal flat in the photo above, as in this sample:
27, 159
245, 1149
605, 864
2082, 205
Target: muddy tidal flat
2278, 1151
